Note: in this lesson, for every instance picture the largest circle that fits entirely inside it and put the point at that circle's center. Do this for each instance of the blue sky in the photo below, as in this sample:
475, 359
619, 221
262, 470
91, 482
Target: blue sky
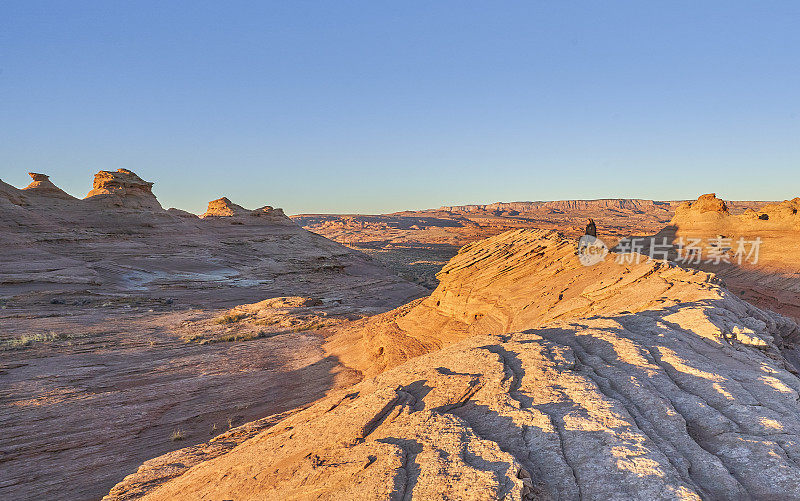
379, 106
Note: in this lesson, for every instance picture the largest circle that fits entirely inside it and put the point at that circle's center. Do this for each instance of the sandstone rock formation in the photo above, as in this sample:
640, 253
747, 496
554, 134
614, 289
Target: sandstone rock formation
10, 195
411, 241
705, 203
769, 276
119, 239
96, 297
41, 185
514, 281
618, 381
524, 375
123, 188
223, 207
710, 211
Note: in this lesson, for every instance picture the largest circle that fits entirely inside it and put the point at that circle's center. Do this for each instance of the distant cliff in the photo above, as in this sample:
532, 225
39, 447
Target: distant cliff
603, 203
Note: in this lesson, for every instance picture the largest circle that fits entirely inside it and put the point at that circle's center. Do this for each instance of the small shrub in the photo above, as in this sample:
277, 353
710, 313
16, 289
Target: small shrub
29, 339
177, 435
230, 318
309, 326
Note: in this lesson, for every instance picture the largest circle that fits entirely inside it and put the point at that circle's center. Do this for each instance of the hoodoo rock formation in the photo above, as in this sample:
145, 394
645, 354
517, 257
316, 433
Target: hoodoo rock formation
617, 381
41, 185
123, 188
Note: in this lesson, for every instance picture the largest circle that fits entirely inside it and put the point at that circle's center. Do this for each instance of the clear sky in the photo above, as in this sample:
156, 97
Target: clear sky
376, 106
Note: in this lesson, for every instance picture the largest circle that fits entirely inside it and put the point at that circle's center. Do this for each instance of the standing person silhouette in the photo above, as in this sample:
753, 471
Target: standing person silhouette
591, 229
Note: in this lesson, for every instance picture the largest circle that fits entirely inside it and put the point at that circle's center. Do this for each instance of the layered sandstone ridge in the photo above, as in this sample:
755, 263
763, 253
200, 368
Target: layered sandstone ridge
757, 251
514, 281
417, 243
618, 382
96, 298
119, 238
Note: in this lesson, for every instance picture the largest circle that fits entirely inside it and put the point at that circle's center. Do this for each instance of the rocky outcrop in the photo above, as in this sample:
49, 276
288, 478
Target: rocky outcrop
74, 241
123, 188
409, 238
710, 212
705, 203
95, 300
706, 210
41, 185
223, 207
758, 250
785, 212
269, 212
11, 194
514, 281
625, 382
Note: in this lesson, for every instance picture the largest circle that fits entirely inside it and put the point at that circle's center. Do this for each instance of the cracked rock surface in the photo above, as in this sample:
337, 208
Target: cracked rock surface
628, 407
685, 394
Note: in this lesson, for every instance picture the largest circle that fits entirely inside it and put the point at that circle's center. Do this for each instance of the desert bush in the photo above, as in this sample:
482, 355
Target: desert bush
27, 340
230, 318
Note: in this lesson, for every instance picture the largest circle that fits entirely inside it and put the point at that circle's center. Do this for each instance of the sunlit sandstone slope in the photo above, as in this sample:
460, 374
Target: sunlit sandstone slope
766, 274
555, 381
96, 295
417, 243
517, 280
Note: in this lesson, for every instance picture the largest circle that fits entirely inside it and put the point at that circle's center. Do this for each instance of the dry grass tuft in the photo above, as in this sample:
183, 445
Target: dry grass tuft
230, 318
28, 340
